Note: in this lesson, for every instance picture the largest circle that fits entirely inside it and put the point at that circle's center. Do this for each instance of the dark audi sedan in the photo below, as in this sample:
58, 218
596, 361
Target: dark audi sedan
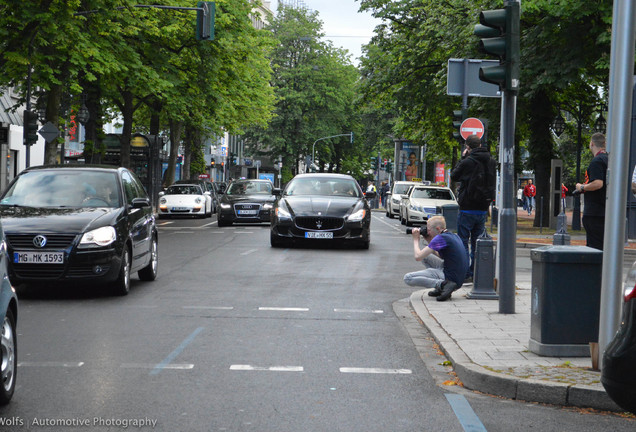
79, 223
322, 207
246, 200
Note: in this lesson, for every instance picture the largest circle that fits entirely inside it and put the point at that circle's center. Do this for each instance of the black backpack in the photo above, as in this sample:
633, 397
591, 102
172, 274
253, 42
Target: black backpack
482, 185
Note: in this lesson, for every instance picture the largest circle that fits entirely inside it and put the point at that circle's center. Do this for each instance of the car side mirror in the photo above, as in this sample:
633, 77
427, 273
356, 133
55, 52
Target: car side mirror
277, 192
140, 202
207, 193
403, 196
162, 193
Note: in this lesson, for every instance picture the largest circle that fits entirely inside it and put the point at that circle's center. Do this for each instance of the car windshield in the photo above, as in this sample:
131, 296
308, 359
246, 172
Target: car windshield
323, 187
183, 190
400, 189
250, 188
439, 194
64, 188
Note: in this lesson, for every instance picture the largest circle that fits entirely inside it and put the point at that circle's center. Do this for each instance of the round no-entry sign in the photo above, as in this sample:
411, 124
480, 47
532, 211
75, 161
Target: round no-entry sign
471, 126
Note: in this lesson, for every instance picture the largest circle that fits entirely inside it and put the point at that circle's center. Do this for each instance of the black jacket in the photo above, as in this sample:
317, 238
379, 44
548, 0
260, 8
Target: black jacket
462, 174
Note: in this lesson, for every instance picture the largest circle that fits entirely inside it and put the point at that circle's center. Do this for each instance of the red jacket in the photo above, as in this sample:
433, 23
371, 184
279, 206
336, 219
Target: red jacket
529, 190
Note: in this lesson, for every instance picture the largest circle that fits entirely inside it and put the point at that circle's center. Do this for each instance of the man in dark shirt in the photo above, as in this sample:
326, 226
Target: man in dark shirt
445, 259
471, 221
594, 190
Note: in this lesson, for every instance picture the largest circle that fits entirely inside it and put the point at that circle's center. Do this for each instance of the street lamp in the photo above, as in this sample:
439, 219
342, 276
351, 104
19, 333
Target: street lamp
558, 125
83, 114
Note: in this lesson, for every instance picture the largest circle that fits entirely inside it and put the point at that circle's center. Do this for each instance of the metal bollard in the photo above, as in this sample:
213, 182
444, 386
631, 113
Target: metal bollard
484, 274
561, 236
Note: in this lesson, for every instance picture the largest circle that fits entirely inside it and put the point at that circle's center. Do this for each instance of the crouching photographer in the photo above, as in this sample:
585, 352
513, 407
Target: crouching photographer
444, 257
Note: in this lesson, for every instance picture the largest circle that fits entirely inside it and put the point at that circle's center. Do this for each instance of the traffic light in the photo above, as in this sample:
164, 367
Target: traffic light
212, 163
374, 162
499, 30
30, 127
389, 166
205, 20
458, 118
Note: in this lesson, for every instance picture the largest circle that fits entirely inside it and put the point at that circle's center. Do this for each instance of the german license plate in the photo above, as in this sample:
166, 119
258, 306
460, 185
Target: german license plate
179, 208
319, 235
247, 212
38, 257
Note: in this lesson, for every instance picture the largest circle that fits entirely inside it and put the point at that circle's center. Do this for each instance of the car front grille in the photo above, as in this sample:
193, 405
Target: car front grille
38, 271
319, 223
429, 210
253, 208
53, 241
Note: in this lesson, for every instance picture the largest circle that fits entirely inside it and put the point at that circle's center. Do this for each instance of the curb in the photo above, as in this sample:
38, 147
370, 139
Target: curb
476, 377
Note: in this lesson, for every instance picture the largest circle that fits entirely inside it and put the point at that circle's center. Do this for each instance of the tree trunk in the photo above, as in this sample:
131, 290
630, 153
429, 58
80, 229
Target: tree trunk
126, 135
541, 152
175, 138
53, 115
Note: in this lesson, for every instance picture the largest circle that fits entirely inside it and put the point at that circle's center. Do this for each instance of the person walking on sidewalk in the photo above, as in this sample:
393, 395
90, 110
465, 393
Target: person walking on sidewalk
564, 190
477, 175
529, 192
594, 191
444, 257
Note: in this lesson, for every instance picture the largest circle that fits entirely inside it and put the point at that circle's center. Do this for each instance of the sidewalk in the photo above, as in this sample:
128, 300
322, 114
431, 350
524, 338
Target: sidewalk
490, 351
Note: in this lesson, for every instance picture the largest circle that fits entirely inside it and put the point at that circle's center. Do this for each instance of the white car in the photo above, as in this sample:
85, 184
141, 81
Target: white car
423, 202
185, 200
394, 197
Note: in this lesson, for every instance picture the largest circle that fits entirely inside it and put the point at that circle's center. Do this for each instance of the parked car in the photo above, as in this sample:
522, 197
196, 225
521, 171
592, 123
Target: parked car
394, 197
79, 223
184, 200
246, 201
9, 316
618, 375
423, 202
325, 207
206, 186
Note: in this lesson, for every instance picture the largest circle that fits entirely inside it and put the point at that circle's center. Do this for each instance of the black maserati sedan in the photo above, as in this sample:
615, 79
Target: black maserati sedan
79, 224
246, 201
321, 207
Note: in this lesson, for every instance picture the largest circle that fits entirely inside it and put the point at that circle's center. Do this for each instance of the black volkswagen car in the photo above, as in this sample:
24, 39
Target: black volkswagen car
79, 223
323, 207
246, 200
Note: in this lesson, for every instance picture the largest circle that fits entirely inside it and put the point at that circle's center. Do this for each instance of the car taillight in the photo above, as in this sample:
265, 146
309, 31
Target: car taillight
630, 284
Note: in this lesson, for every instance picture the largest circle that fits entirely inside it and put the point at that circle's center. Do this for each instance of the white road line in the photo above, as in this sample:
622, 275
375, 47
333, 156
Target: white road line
161, 224
184, 232
209, 224
396, 228
283, 309
249, 252
209, 307
267, 368
51, 364
182, 366
243, 232
374, 370
374, 311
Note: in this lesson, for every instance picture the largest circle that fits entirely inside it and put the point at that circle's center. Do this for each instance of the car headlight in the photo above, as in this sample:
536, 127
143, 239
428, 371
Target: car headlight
414, 207
267, 206
357, 216
282, 214
225, 206
197, 200
99, 237
163, 201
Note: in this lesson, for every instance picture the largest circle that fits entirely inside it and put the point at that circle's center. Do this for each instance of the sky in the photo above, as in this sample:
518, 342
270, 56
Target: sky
342, 23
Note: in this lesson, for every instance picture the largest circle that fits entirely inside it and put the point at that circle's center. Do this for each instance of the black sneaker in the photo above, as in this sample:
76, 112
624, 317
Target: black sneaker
435, 292
447, 290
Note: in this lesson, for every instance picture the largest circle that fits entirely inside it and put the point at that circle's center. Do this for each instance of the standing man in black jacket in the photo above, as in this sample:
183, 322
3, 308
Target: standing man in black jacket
473, 210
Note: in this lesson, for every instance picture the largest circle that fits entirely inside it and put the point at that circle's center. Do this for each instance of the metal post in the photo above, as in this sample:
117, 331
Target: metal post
619, 125
576, 211
508, 214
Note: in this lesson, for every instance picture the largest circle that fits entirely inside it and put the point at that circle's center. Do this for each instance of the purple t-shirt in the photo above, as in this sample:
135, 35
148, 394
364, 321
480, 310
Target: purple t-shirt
452, 251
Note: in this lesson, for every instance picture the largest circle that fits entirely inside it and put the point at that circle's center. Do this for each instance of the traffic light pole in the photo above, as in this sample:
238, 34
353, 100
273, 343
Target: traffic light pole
508, 213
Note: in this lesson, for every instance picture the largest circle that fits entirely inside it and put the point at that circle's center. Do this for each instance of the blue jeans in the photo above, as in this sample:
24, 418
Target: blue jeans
529, 204
469, 228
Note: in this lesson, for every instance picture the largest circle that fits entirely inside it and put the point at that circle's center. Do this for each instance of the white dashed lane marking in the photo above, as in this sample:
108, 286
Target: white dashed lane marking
374, 311
209, 307
240, 367
284, 309
51, 364
375, 371
184, 366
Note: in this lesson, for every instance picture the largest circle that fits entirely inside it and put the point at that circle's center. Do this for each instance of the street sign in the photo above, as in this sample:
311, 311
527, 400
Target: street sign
474, 86
471, 126
49, 132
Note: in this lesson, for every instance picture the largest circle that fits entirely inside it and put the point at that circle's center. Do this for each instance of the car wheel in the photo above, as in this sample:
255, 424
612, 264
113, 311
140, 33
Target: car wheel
122, 284
9, 347
406, 220
149, 273
402, 220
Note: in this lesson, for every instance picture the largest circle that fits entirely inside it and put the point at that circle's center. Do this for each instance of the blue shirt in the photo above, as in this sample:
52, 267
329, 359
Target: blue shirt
452, 251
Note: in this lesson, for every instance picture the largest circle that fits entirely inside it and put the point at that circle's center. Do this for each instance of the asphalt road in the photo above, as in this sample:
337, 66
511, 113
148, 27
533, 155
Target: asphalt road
237, 336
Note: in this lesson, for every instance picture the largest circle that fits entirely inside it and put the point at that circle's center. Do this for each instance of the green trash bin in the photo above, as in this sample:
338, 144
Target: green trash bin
565, 300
